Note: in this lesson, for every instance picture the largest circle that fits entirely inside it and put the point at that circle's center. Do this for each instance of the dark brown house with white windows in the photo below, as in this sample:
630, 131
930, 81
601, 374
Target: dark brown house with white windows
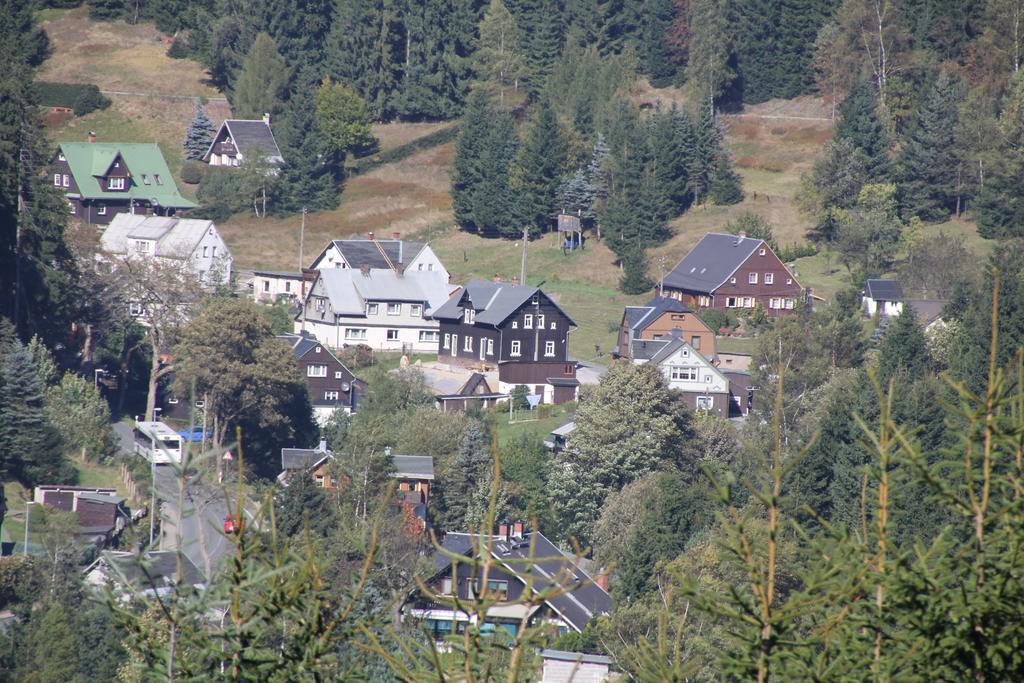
517, 329
331, 384
734, 272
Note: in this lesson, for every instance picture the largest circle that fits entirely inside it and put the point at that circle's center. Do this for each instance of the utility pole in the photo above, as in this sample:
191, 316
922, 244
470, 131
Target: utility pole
522, 265
302, 239
302, 275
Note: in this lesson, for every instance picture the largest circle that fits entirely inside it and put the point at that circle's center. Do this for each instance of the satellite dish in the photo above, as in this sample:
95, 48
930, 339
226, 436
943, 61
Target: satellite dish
345, 386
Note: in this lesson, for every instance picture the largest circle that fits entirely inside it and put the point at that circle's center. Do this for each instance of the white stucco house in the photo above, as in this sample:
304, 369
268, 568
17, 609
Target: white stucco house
686, 370
378, 254
194, 243
384, 309
882, 297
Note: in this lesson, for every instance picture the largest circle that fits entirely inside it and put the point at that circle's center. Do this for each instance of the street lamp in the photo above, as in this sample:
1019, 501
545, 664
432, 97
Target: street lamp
27, 517
96, 376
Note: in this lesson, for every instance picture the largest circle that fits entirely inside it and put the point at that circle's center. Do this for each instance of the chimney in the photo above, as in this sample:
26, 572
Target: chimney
92, 136
399, 269
396, 235
365, 268
601, 580
323, 446
503, 527
370, 236
266, 118
517, 528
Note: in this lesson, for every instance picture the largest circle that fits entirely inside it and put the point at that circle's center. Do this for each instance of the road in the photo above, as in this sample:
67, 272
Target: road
201, 516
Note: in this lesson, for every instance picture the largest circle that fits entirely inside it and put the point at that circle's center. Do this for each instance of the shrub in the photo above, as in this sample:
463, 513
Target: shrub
717, 320
193, 171
356, 356
794, 251
84, 98
179, 48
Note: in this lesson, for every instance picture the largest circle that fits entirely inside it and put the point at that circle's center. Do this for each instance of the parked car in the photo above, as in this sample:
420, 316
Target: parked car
195, 434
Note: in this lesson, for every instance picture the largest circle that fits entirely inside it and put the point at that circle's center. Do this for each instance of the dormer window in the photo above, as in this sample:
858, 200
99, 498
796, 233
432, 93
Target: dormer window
469, 316
156, 177
145, 179
115, 184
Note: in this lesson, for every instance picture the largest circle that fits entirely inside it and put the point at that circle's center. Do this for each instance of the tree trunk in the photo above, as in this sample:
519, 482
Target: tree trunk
154, 375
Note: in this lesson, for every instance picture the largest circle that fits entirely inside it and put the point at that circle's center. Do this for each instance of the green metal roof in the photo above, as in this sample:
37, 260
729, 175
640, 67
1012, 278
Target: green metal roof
88, 160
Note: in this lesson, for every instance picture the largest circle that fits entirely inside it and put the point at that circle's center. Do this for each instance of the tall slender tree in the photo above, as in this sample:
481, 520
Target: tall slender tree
262, 82
498, 59
540, 164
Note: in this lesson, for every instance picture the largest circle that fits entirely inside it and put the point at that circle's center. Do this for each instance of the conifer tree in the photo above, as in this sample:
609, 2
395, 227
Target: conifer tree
634, 278
708, 70
303, 501
540, 165
362, 50
262, 82
199, 134
30, 448
904, 349
467, 477
658, 16
307, 181
598, 175
859, 123
726, 186
540, 24
928, 164
108, 10
757, 56
577, 197
498, 59
705, 153
670, 138
1000, 205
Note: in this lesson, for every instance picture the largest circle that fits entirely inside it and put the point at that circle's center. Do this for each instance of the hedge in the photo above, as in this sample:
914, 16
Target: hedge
83, 98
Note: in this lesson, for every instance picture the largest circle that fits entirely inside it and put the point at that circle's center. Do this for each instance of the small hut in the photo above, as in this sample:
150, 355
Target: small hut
570, 231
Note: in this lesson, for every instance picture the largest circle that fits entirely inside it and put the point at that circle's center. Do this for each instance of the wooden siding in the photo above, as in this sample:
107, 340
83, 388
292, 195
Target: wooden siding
738, 286
691, 326
319, 386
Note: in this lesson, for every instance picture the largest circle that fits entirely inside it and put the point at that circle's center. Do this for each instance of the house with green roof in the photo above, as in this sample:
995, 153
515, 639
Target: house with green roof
103, 179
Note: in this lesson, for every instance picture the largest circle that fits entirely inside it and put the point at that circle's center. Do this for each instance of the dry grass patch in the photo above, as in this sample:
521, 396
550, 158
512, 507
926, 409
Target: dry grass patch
393, 135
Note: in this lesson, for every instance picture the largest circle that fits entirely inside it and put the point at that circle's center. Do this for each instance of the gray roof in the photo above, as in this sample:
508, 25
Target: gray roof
580, 657
101, 498
304, 342
884, 290
349, 289
154, 569
711, 262
290, 274
302, 458
413, 466
493, 302
586, 599
565, 430
357, 252
175, 238
644, 349
640, 317
253, 137
927, 310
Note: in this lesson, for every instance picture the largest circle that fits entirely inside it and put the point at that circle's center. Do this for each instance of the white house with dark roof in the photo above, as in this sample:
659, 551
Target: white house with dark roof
195, 242
882, 297
686, 370
384, 309
391, 254
241, 139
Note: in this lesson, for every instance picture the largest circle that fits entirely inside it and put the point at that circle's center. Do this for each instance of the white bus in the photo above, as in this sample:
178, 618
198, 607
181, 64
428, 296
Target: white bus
157, 443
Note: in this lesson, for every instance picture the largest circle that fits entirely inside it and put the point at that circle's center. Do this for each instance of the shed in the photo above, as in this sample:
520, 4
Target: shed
560, 666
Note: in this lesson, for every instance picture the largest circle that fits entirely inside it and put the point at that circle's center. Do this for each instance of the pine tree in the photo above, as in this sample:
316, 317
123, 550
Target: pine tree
658, 16
498, 59
598, 175
800, 21
757, 56
540, 24
726, 186
577, 197
199, 134
364, 50
999, 208
708, 70
670, 138
108, 10
298, 28
904, 349
307, 181
467, 477
634, 276
540, 165
30, 448
859, 123
262, 82
928, 164
303, 502
705, 153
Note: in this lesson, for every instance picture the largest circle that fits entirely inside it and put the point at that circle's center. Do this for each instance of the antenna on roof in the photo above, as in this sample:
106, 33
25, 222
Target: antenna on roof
522, 265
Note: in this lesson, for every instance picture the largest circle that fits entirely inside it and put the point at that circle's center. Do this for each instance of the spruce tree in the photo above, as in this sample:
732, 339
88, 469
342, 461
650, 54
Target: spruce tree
199, 134
757, 56
469, 146
108, 10
435, 72
858, 122
726, 186
30, 448
468, 473
307, 181
540, 165
705, 153
928, 164
658, 16
498, 59
904, 349
634, 278
999, 208
576, 196
364, 51
263, 81
670, 138
303, 504
540, 23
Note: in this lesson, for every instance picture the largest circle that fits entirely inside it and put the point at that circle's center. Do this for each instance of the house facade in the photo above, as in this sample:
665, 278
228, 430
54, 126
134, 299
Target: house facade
192, 242
658, 319
687, 370
392, 254
240, 139
384, 309
330, 383
728, 272
883, 298
104, 179
517, 329
269, 286
475, 392
511, 550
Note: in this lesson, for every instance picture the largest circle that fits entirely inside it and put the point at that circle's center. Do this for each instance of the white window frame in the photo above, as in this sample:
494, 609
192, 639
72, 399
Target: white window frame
337, 374
467, 344
447, 341
135, 308
732, 281
748, 302
705, 403
789, 304
394, 309
515, 324
332, 395
789, 280
321, 303
428, 336
66, 180
751, 278
554, 325
206, 252
56, 179
528, 321
769, 278
515, 348
101, 210
355, 333
540, 321
415, 310
490, 347
372, 309
730, 302
391, 335
549, 349
316, 370
115, 183
762, 252
469, 315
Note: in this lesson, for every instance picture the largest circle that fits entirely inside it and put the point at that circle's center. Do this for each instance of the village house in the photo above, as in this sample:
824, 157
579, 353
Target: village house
882, 297
476, 392
240, 139
331, 384
688, 371
517, 329
728, 272
384, 309
104, 179
102, 513
511, 549
392, 254
151, 574
413, 473
192, 242
658, 319
271, 286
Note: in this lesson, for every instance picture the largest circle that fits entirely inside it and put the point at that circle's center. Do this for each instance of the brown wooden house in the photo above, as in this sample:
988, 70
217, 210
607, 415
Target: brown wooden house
517, 329
331, 384
658, 320
734, 272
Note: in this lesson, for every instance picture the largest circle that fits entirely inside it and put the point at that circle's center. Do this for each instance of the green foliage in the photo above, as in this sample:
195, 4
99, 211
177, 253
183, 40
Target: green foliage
262, 81
859, 124
709, 71
754, 226
469, 481
903, 353
193, 172
525, 472
1000, 206
869, 234
198, 136
80, 414
634, 277
302, 506
834, 182
539, 165
84, 98
307, 179
498, 59
343, 121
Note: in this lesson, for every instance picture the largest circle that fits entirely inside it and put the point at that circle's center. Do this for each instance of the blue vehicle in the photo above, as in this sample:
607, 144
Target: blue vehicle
195, 434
